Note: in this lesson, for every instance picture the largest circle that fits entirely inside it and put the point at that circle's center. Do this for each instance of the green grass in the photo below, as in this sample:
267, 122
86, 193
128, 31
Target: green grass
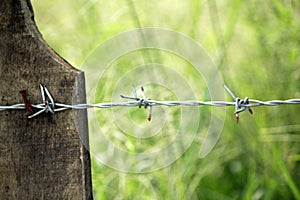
256, 47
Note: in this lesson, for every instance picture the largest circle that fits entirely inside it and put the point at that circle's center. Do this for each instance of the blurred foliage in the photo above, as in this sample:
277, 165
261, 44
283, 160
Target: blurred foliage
256, 46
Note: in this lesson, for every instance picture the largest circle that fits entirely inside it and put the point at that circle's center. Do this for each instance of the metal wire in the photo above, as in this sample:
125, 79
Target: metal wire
61, 106
49, 105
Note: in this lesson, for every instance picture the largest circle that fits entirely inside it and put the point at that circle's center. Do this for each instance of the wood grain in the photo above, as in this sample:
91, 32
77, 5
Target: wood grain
45, 157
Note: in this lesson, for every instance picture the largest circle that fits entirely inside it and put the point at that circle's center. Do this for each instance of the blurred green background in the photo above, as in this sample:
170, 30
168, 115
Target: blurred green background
256, 47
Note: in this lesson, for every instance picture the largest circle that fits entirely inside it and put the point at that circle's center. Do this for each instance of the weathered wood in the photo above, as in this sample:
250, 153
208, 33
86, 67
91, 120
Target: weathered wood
44, 157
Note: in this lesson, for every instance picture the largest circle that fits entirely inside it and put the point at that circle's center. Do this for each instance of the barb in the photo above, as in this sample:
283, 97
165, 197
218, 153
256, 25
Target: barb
240, 105
145, 102
48, 104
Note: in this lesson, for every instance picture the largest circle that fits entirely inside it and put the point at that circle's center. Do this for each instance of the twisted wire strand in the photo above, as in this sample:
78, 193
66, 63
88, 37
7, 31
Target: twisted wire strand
61, 106
49, 105
253, 103
272, 102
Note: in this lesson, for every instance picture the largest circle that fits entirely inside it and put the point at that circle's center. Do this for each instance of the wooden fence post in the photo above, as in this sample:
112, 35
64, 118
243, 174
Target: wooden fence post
45, 157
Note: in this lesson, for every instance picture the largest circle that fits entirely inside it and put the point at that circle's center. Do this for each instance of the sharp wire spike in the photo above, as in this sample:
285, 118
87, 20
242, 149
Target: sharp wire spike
50, 97
150, 114
37, 113
230, 92
42, 92
134, 92
143, 92
250, 111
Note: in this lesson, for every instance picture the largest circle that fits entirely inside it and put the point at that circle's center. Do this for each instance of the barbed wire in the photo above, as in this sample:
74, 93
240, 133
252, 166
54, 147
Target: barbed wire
49, 105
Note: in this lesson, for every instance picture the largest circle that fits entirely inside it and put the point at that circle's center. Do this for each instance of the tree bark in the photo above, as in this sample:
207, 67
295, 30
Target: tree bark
45, 157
